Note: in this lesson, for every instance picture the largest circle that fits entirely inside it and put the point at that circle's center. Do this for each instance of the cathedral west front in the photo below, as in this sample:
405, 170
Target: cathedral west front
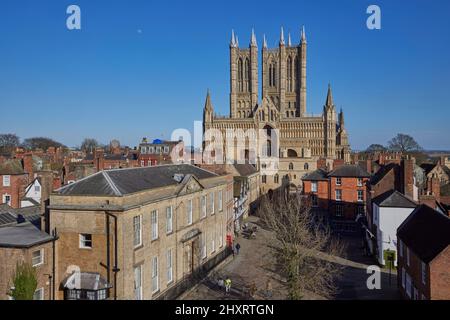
303, 138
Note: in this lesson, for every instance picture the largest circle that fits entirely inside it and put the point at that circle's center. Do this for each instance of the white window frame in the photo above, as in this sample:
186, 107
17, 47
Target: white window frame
338, 181
7, 180
169, 219
408, 285
138, 290
137, 233
314, 186
41, 257
37, 188
155, 274
189, 211
360, 182
8, 202
169, 262
203, 205
82, 238
211, 200
408, 257
41, 294
338, 191
360, 192
423, 269
221, 236
204, 252
154, 223
220, 196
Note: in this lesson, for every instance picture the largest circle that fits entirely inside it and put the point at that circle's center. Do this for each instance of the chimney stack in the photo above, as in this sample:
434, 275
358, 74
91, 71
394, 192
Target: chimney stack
99, 159
407, 173
28, 165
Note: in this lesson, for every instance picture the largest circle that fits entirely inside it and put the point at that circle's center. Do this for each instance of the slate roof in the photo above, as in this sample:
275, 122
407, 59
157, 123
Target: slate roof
427, 167
316, 175
23, 235
394, 199
426, 232
119, 182
12, 166
381, 173
349, 170
245, 170
11, 216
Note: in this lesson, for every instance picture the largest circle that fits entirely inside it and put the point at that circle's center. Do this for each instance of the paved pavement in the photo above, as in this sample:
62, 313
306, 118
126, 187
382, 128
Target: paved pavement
255, 263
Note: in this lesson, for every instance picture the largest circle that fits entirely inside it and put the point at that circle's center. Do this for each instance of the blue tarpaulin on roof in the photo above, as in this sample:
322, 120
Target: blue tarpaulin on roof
157, 141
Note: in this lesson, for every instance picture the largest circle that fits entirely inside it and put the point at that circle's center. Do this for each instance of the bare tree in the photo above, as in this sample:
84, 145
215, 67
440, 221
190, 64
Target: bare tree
403, 143
8, 142
41, 143
304, 246
375, 147
89, 145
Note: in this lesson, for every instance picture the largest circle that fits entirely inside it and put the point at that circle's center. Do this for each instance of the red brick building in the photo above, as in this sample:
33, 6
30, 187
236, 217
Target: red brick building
424, 255
159, 152
13, 181
341, 192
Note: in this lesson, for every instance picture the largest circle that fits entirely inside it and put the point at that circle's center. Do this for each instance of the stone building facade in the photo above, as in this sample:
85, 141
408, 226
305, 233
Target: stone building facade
303, 138
143, 231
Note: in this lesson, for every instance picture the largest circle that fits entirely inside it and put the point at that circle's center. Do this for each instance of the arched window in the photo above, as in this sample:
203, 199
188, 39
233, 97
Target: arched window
275, 178
269, 148
274, 78
289, 74
247, 75
240, 75
291, 166
272, 75
306, 166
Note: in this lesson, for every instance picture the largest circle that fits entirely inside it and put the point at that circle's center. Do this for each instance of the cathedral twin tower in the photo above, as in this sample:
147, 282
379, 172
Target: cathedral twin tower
283, 101
283, 76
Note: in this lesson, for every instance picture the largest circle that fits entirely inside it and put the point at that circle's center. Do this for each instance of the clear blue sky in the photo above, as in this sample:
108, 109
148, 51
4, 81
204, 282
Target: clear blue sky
141, 68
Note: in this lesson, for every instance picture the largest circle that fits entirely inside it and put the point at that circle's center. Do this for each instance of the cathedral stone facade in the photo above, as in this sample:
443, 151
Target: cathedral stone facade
303, 138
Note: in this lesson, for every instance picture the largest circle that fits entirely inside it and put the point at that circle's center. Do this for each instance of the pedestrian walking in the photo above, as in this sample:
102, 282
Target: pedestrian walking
269, 288
220, 283
227, 285
238, 247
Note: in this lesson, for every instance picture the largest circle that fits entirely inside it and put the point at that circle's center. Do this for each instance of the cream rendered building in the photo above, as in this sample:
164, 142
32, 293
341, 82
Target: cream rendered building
303, 138
141, 232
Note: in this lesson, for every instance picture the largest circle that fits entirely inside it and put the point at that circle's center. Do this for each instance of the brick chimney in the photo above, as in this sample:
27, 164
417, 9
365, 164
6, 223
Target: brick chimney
434, 188
99, 159
28, 165
407, 173
369, 166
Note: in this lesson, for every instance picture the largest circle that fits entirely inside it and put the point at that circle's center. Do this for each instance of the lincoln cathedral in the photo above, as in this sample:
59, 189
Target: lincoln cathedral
303, 138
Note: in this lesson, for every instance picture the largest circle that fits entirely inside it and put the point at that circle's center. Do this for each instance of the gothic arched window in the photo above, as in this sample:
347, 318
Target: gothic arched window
306, 166
247, 75
240, 75
289, 74
291, 166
